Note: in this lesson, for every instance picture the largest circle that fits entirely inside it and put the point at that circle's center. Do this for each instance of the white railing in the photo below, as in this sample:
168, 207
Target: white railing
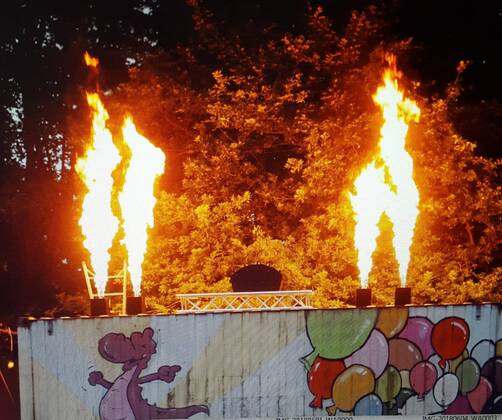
122, 275
244, 301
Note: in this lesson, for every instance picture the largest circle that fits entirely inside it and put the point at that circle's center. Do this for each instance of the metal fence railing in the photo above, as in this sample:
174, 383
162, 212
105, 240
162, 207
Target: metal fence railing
245, 301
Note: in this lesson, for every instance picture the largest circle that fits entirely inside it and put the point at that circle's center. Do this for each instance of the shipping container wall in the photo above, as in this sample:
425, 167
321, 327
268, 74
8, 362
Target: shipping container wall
376, 361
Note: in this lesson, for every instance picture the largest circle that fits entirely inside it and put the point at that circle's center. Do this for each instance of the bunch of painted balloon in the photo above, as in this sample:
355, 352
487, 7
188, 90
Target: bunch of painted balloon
370, 362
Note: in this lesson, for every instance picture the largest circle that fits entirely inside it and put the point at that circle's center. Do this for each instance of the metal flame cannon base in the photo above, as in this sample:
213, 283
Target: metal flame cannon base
99, 306
135, 305
363, 297
402, 296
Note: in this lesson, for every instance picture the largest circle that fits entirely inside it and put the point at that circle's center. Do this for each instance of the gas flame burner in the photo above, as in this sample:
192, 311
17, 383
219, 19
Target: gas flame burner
363, 297
135, 305
402, 296
99, 306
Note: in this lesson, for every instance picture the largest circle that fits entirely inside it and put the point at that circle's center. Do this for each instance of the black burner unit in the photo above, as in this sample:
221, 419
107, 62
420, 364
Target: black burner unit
363, 297
402, 296
135, 305
99, 306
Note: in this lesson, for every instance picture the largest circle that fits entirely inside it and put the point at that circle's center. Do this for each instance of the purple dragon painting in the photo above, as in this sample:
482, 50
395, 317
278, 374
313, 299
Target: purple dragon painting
123, 400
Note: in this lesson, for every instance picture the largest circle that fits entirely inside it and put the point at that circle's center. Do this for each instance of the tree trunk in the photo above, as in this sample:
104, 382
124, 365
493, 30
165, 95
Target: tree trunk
468, 229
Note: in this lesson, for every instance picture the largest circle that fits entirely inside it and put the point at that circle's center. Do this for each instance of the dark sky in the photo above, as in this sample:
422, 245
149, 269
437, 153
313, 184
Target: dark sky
447, 30
454, 30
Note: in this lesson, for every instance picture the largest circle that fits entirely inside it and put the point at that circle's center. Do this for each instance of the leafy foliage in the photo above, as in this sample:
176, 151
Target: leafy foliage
267, 176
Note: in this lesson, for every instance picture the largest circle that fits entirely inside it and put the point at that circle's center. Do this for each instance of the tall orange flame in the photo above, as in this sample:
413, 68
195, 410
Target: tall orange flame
373, 195
137, 199
98, 223
90, 60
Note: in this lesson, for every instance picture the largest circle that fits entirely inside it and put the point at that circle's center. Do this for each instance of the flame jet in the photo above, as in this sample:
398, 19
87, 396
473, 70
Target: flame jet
398, 200
98, 223
372, 199
137, 198
90, 61
403, 211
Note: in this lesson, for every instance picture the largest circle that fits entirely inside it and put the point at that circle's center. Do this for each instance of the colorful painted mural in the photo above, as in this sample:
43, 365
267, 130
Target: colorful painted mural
269, 364
371, 362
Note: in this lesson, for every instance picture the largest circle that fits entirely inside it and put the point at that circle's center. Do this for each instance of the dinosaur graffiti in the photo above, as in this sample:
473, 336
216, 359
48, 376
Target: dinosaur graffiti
123, 399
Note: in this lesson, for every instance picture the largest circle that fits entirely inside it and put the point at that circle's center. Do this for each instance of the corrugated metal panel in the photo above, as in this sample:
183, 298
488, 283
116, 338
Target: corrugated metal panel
383, 361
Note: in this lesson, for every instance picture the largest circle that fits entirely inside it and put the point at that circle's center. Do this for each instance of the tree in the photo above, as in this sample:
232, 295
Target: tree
281, 143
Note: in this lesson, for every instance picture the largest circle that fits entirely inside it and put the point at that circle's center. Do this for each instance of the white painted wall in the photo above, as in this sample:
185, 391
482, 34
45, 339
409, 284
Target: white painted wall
240, 365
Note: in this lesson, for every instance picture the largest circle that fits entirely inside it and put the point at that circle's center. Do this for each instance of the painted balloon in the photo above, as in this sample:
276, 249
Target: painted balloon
369, 405
415, 405
468, 374
388, 385
422, 378
337, 334
374, 354
459, 406
351, 385
403, 354
418, 330
320, 379
483, 351
435, 359
494, 405
479, 396
449, 338
498, 348
446, 389
392, 320
453, 364
492, 370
